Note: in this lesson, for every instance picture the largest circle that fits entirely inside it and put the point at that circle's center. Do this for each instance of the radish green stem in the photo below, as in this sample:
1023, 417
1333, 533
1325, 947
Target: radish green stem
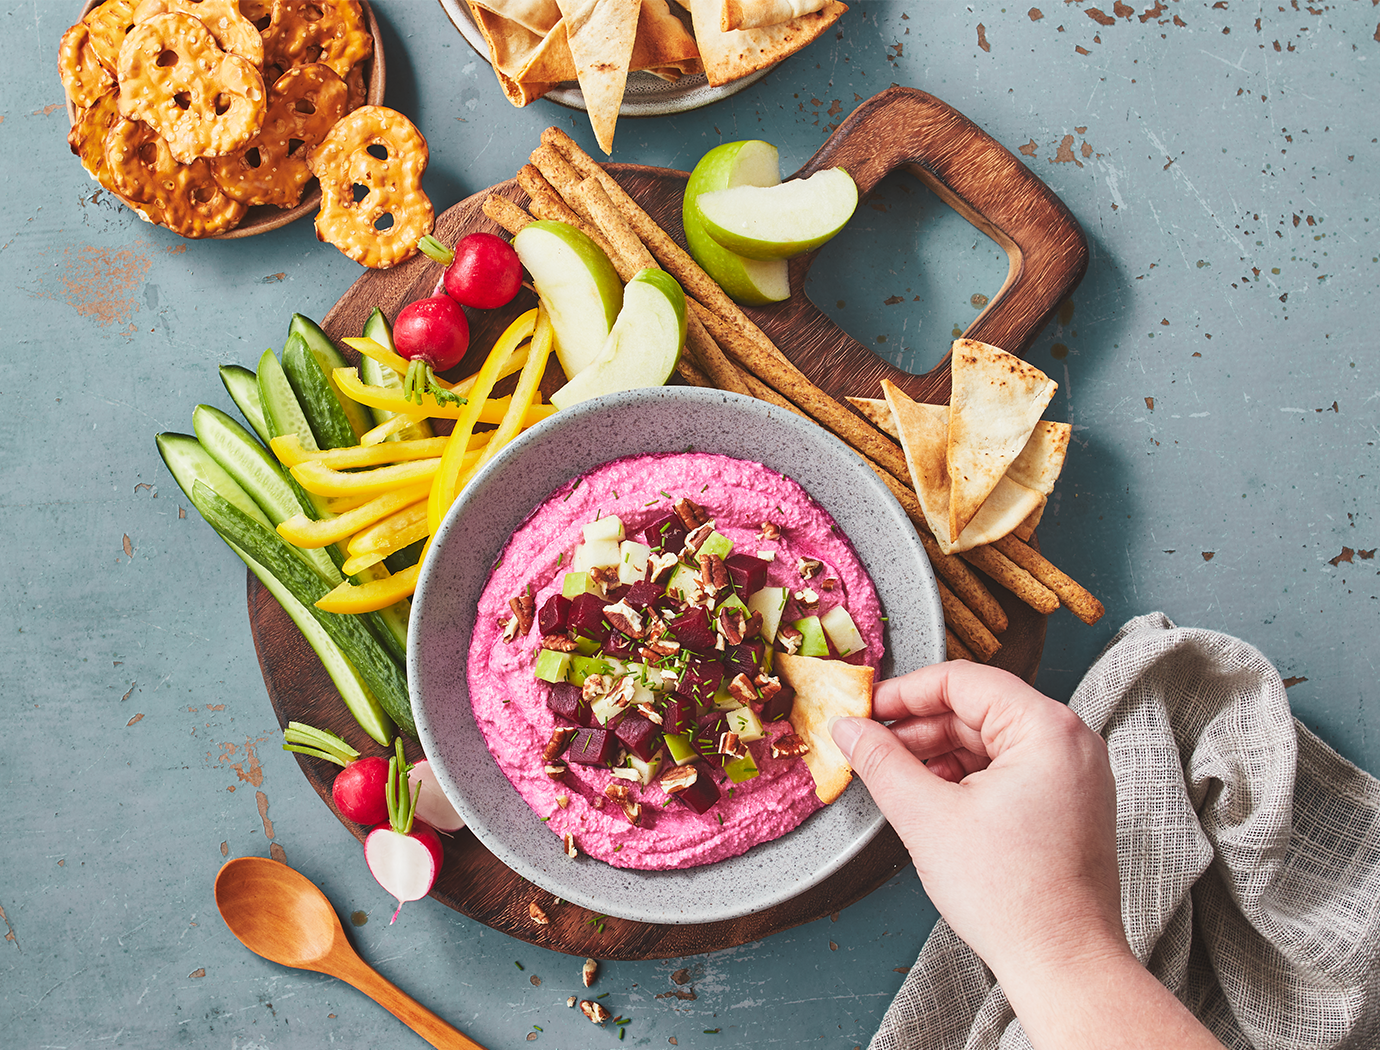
402, 800
435, 250
319, 743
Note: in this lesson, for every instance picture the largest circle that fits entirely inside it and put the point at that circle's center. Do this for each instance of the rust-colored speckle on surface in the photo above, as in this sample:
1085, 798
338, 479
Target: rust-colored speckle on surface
892, 300
137, 718
277, 853
104, 284
1367, 555
1150, 403
225, 849
1064, 154
1289, 683
1345, 556
900, 969
9, 929
1028, 149
251, 771
833, 947
982, 37
978, 300
262, 800
1100, 17
1082, 50
198, 972
1035, 14
1208, 555
128, 546
536, 981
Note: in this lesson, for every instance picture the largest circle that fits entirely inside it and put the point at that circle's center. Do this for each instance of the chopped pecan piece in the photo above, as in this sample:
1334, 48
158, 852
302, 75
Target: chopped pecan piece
713, 576
588, 971
789, 639
510, 628
570, 1001
633, 811
624, 773
767, 686
555, 770
767, 555
678, 779
594, 1011
733, 624
559, 642
623, 692
690, 513
828, 583
537, 915
742, 689
769, 530
568, 844
604, 575
696, 537
524, 607
729, 744
651, 714
596, 685
617, 792
561, 737
623, 617
660, 647
788, 745
658, 565
807, 567
562, 801
807, 597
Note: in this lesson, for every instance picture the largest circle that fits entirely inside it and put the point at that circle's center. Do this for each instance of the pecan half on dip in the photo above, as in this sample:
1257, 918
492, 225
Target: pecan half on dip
653, 641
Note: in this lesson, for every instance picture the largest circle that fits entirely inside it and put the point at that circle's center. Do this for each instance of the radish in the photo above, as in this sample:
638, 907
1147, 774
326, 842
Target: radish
434, 330
432, 804
404, 855
359, 790
483, 272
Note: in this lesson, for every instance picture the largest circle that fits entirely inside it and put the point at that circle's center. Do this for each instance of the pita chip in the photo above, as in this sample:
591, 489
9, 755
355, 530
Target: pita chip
877, 412
551, 63
756, 14
1042, 459
601, 35
823, 689
923, 431
997, 399
536, 16
734, 54
663, 45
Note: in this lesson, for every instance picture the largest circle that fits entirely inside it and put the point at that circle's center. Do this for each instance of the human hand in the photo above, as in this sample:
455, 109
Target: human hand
1007, 804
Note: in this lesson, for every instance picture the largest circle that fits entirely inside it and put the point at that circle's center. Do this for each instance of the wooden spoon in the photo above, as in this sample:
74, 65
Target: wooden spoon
281, 915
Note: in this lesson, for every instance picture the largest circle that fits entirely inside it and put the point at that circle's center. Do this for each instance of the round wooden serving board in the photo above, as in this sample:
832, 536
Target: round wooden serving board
900, 127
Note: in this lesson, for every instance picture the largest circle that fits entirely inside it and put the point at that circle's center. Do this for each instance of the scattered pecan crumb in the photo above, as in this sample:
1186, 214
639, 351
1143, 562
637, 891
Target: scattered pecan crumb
807, 567
588, 972
561, 737
696, 537
768, 530
788, 745
742, 689
562, 801
678, 779
524, 607
555, 770
534, 910
594, 1011
690, 513
789, 639
559, 643
571, 1001
568, 842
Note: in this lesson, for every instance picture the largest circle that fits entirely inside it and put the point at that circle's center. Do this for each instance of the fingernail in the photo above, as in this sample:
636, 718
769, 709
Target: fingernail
845, 732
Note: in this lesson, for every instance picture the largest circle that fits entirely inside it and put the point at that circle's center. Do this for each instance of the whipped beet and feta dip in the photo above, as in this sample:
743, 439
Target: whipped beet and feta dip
510, 703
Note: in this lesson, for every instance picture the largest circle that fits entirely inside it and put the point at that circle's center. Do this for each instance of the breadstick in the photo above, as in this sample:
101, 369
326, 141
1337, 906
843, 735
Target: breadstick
968, 627
1014, 578
504, 212
953, 648
1073, 595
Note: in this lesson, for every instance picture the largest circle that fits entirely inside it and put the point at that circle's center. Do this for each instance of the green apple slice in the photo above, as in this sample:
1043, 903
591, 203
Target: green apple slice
642, 347
752, 282
776, 222
577, 285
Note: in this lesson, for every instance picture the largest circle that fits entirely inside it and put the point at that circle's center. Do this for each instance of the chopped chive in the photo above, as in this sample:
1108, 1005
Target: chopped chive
712, 1031
605, 995
539, 1028
519, 965
615, 493
665, 493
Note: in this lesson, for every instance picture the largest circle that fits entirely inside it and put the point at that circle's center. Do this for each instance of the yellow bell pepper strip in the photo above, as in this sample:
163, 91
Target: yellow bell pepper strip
448, 478
393, 533
490, 411
380, 353
288, 448
528, 387
324, 481
340, 504
371, 596
302, 531
393, 425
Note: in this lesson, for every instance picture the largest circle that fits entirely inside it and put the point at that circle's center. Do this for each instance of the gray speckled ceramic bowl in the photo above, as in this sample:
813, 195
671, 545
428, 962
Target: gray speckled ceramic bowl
664, 419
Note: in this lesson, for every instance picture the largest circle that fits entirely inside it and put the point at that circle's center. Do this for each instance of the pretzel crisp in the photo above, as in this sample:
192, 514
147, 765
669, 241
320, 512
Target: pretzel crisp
84, 78
87, 137
303, 31
303, 106
344, 161
109, 23
203, 101
231, 30
183, 197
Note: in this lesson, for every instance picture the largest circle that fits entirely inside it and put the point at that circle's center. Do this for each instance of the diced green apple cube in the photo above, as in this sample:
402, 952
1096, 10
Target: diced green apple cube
647, 771
552, 666
733, 602
746, 724
587, 646
770, 602
813, 641
606, 708
600, 553
581, 667
716, 543
842, 631
574, 584
740, 769
680, 749
609, 527
724, 700
682, 581
632, 561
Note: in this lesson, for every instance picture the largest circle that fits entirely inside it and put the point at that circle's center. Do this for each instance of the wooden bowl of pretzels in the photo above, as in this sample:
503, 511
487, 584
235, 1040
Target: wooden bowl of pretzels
201, 115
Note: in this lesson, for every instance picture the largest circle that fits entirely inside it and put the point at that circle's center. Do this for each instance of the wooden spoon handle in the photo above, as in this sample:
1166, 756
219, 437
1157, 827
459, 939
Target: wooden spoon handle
985, 183
440, 1034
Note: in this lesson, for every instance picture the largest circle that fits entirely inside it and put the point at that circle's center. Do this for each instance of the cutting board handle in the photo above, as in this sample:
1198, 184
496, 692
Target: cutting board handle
986, 184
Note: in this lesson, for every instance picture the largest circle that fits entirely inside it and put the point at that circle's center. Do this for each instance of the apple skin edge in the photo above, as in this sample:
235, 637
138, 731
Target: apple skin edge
777, 222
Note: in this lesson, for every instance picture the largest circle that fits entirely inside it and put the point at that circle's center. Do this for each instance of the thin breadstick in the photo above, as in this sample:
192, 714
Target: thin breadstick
1071, 593
547, 203
1014, 578
953, 648
692, 375
960, 619
504, 212
562, 176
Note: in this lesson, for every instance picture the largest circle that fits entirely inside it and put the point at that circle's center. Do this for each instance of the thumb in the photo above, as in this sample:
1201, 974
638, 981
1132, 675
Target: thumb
896, 779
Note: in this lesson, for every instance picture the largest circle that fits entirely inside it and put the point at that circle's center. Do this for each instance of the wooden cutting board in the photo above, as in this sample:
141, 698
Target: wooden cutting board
900, 128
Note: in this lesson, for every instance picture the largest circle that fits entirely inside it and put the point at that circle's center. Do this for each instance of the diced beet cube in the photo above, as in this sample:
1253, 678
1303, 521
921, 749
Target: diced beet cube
705, 739
593, 747
554, 614
566, 702
703, 793
691, 629
744, 658
680, 714
700, 680
642, 594
618, 645
639, 734
665, 533
779, 706
748, 574
616, 593
587, 616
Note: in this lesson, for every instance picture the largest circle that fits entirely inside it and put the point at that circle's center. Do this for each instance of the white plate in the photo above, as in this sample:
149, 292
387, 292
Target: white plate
645, 96
663, 419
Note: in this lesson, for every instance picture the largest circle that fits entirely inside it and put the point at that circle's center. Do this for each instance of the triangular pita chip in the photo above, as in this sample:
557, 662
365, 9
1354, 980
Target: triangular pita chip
823, 689
755, 14
997, 400
733, 55
1027, 528
877, 412
1042, 459
923, 432
537, 16
601, 34
551, 63
663, 43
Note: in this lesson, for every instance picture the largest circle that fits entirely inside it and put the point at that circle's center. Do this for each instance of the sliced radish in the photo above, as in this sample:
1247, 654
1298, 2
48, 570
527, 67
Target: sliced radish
404, 855
432, 804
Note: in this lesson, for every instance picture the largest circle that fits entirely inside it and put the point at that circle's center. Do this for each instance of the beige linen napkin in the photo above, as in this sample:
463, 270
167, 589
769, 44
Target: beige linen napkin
1249, 854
